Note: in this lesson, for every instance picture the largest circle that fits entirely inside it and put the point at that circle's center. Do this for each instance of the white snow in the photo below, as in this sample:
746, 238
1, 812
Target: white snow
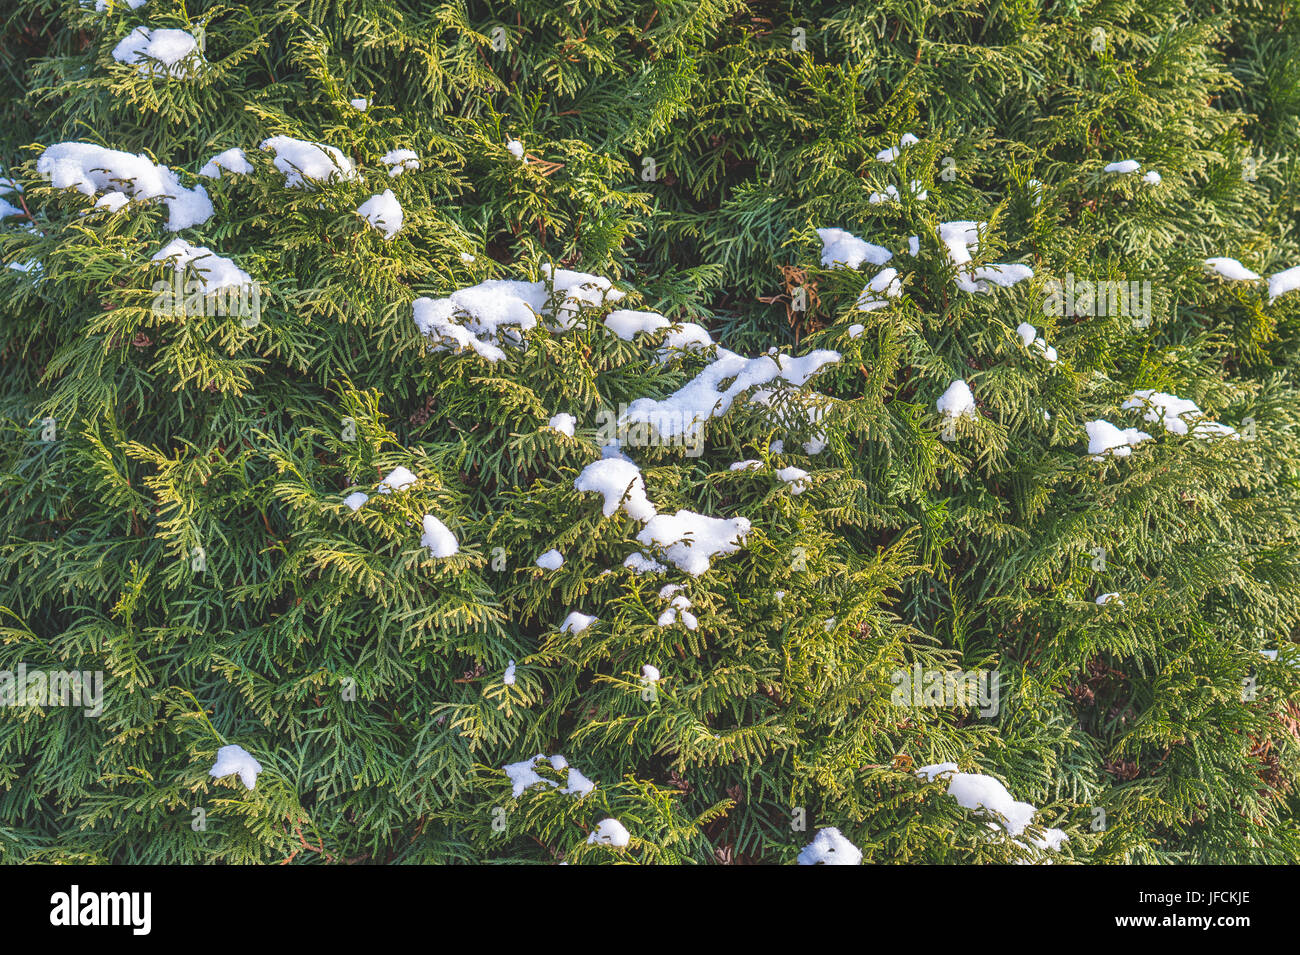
233, 161
399, 479
112, 201
356, 499
1123, 167
685, 337
626, 322
1231, 269
1152, 177
383, 212
1282, 282
650, 673
641, 564
90, 169
360, 103
840, 248
551, 560
891, 193
979, 792
679, 608
1032, 340
961, 239
173, 53
304, 163
515, 148
212, 270
577, 784
879, 290
499, 310
508, 678
609, 832
705, 396
577, 622
691, 540
889, 155
440, 541
1104, 438
236, 759
563, 423
797, 478
1109, 598
399, 161
7, 209
1178, 415
829, 847
957, 401
523, 775
614, 478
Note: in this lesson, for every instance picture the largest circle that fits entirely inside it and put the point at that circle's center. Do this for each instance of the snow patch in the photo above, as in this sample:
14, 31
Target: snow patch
90, 169
399, 161
829, 847
307, 164
236, 759
172, 53
233, 161
440, 541
383, 212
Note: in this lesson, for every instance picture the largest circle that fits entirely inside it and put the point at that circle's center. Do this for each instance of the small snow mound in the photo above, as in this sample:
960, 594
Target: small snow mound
399, 161
609, 832
438, 538
563, 423
307, 164
1231, 269
89, 169
957, 401
383, 213
577, 622
829, 847
233, 161
172, 53
843, 249
398, 479
236, 759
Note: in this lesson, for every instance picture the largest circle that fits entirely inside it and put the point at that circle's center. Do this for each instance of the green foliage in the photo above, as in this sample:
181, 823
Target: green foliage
185, 531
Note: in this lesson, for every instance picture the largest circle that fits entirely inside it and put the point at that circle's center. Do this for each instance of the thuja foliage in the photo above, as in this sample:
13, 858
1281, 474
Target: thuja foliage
173, 486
